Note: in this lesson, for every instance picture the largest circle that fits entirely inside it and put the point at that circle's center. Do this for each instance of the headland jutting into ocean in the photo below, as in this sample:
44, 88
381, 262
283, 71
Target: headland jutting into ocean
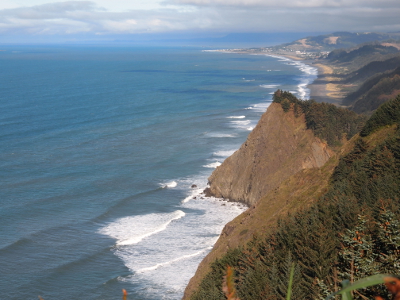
316, 179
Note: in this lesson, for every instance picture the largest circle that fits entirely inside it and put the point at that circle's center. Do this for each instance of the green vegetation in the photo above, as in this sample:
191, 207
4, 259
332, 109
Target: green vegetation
376, 91
362, 55
388, 114
350, 232
327, 121
373, 68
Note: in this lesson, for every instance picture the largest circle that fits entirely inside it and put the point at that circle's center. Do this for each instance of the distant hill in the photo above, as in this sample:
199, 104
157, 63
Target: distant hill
375, 92
364, 53
337, 40
373, 68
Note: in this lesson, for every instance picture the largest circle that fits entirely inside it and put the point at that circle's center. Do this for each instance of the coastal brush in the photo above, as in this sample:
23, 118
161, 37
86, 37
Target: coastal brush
124, 294
228, 286
392, 283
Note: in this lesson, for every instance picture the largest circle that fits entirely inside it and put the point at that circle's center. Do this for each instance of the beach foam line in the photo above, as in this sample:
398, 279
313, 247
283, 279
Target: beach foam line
132, 230
152, 268
310, 74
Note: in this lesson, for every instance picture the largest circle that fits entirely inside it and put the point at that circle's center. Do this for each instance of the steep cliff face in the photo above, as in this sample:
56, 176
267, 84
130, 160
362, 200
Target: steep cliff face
297, 192
278, 147
281, 167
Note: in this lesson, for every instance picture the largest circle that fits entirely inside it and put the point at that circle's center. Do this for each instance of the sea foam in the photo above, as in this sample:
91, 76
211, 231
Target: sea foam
171, 184
269, 86
132, 230
213, 165
224, 153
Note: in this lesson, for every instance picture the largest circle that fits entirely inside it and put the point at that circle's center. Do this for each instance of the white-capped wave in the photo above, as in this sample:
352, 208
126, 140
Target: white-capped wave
213, 165
269, 86
220, 135
173, 261
245, 122
171, 184
170, 258
132, 230
236, 117
262, 107
224, 153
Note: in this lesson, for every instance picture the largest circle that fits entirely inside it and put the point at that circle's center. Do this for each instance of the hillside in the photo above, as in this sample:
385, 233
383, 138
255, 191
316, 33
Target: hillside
373, 68
337, 40
361, 78
323, 219
278, 147
284, 142
374, 92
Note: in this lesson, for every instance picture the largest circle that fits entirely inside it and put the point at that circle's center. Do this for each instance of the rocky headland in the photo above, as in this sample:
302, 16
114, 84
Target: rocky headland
308, 171
278, 147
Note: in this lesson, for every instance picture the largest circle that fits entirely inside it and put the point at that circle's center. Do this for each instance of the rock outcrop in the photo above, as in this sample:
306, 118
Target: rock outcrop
278, 147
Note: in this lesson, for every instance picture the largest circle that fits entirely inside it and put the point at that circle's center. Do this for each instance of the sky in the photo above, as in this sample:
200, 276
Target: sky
102, 19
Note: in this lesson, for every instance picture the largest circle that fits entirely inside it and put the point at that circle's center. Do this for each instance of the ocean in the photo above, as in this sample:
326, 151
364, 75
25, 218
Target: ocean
104, 154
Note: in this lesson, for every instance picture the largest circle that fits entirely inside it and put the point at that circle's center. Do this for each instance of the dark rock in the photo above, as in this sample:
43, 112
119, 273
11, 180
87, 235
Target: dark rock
207, 192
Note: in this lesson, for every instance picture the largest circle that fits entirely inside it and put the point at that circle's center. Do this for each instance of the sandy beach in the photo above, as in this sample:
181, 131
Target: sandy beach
325, 88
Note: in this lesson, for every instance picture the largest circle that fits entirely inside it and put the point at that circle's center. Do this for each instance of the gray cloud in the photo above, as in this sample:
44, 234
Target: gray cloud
289, 3
71, 17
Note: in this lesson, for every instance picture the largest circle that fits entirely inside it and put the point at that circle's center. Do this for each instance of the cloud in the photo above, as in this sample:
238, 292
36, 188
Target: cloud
288, 3
74, 17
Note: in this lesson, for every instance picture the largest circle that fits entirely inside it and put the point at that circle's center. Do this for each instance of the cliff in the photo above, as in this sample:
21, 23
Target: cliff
308, 218
281, 167
278, 147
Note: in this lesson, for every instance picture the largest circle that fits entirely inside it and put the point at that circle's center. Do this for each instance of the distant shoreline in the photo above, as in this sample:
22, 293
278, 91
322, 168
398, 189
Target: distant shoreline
322, 89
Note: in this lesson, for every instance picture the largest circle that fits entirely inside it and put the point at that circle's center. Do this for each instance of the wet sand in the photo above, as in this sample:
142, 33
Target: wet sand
326, 87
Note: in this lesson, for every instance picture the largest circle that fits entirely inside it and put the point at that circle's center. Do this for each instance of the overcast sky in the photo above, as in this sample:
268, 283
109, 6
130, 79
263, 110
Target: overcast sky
52, 18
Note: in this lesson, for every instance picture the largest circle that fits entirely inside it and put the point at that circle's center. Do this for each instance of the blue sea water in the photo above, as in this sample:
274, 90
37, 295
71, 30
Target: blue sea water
99, 149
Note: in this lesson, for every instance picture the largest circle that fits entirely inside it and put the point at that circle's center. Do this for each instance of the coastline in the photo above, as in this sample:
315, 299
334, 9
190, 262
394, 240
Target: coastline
229, 228
323, 89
